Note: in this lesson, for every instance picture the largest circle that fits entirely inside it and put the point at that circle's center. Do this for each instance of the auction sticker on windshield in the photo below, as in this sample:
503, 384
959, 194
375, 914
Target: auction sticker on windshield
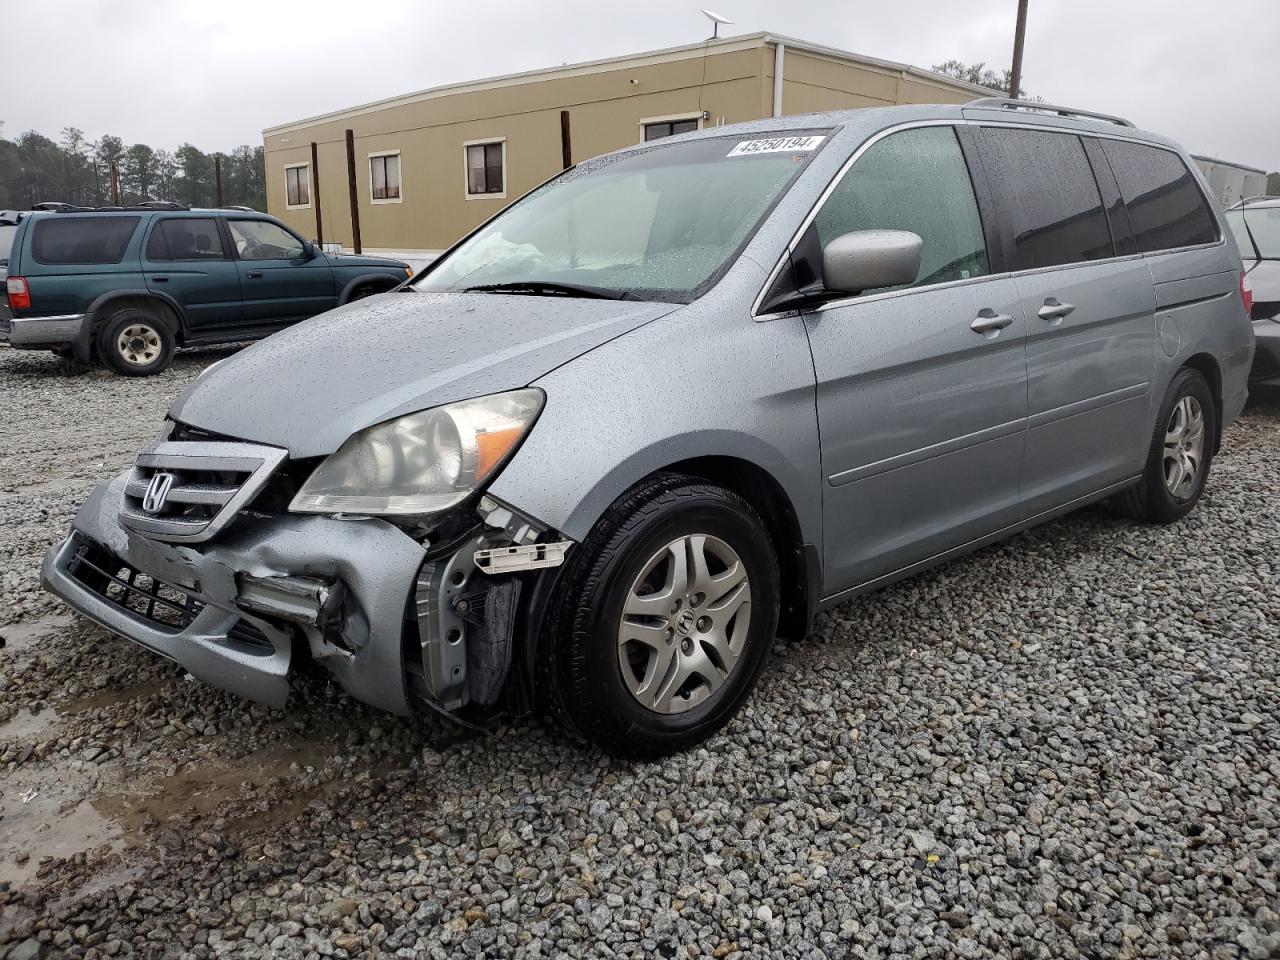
775, 145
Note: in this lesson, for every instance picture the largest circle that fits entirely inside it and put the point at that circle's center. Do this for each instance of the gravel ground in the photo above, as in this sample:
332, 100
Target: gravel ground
1067, 745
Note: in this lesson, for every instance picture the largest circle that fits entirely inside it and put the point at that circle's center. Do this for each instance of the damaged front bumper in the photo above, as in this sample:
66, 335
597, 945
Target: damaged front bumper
399, 621
226, 610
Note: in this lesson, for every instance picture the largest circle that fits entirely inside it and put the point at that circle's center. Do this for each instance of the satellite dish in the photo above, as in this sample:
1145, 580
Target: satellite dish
716, 20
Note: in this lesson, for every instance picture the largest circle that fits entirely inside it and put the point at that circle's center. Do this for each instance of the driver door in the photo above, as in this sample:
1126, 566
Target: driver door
279, 283
922, 390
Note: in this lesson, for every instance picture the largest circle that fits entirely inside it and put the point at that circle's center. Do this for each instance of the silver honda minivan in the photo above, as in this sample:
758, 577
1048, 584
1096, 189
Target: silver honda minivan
673, 402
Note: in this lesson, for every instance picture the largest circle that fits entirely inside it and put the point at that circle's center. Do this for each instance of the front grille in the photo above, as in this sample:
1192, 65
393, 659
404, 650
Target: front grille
188, 490
164, 605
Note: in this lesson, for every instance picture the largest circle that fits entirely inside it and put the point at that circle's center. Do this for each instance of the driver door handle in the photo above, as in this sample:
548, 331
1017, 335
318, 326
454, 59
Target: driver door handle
1054, 309
988, 321
255, 274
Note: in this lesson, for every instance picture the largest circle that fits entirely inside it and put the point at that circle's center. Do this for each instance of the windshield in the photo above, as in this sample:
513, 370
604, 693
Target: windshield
7, 231
658, 224
1257, 232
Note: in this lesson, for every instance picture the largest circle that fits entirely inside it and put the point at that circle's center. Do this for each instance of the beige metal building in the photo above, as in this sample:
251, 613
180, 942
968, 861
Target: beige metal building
428, 166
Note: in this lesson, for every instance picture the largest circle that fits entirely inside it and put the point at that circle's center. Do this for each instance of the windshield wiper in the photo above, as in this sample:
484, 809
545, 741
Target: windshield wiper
552, 288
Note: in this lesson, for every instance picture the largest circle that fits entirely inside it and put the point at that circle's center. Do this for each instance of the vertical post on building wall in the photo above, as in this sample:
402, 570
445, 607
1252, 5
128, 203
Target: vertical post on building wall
315, 192
779, 53
1019, 35
351, 189
115, 184
217, 180
566, 145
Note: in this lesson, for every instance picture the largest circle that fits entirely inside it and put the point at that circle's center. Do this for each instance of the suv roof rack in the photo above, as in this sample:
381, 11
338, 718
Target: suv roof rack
57, 206
1009, 103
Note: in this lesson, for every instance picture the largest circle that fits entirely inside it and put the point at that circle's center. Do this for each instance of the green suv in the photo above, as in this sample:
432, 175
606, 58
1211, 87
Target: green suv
126, 286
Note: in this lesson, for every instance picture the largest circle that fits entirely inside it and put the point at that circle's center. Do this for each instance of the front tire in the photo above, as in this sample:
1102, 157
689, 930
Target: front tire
1180, 455
135, 342
662, 620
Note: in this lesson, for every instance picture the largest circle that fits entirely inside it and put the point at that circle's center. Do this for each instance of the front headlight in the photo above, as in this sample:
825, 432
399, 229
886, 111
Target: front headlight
421, 463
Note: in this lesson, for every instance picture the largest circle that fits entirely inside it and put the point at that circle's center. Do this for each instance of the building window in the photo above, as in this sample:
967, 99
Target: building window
384, 177
486, 168
657, 129
297, 186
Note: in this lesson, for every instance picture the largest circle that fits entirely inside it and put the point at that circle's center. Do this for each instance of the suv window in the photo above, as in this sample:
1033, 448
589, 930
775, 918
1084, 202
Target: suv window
7, 231
186, 238
1166, 205
264, 240
915, 180
60, 240
1047, 195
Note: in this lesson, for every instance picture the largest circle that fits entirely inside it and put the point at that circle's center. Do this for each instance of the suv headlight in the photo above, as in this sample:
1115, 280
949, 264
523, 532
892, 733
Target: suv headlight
424, 462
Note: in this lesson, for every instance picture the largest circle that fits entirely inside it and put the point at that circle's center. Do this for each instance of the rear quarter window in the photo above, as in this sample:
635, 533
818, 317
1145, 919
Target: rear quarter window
1166, 206
81, 240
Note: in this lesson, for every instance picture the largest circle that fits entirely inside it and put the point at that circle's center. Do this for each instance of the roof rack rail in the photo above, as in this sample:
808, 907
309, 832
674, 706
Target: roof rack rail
1008, 103
56, 206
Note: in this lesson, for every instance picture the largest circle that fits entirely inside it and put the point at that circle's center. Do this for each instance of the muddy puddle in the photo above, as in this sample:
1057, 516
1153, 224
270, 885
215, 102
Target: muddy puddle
20, 637
27, 725
64, 809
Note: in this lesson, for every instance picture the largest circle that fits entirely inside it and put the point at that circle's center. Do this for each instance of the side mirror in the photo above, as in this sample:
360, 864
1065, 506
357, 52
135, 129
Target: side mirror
309, 249
869, 259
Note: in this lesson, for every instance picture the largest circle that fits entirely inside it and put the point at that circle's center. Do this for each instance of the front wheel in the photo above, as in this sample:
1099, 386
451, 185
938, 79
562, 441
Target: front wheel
1181, 451
663, 619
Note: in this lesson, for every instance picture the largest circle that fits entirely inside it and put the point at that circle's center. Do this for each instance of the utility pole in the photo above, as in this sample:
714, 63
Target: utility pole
115, 184
217, 180
351, 191
1019, 35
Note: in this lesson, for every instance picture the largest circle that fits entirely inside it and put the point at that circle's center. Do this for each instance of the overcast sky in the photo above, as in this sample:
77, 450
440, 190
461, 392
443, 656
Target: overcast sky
216, 73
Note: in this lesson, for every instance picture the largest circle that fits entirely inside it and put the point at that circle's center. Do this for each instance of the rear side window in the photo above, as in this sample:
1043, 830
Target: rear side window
186, 238
915, 180
1047, 195
81, 240
1166, 206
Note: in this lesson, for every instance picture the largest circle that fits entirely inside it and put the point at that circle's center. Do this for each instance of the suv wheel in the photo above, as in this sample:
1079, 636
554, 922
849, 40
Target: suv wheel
1180, 454
663, 619
135, 342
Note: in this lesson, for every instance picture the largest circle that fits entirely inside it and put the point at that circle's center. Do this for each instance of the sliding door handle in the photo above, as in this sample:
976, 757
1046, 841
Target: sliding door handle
1054, 309
989, 322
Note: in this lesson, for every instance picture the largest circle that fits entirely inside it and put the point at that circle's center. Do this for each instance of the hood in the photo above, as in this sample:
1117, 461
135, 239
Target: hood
311, 386
360, 260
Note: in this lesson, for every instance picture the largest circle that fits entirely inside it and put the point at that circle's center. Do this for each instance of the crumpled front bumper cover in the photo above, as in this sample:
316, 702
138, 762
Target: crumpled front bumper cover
375, 561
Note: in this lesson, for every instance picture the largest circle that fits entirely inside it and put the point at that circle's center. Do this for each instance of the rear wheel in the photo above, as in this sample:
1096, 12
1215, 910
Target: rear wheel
663, 619
1181, 452
135, 342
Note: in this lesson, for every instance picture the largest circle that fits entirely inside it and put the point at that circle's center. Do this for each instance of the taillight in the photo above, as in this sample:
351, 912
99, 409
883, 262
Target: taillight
18, 293
1246, 293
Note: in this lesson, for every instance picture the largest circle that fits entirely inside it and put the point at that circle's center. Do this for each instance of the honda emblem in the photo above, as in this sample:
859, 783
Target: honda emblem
157, 492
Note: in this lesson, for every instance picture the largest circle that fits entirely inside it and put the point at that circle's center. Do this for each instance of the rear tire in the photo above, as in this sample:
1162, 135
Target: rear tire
136, 342
1181, 452
662, 620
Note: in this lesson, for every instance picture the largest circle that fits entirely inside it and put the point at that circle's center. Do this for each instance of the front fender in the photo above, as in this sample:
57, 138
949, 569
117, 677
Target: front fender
394, 278
679, 388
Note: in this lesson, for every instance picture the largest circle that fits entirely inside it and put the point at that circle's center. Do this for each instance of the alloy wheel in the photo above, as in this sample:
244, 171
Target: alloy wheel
684, 623
1183, 447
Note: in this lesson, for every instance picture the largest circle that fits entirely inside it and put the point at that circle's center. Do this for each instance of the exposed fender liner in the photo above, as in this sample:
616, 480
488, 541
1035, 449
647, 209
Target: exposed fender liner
82, 346
345, 296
